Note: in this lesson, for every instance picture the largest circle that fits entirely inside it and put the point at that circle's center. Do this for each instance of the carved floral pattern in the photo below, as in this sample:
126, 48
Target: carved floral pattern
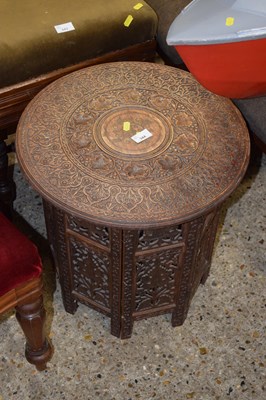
156, 279
91, 273
200, 156
99, 234
154, 238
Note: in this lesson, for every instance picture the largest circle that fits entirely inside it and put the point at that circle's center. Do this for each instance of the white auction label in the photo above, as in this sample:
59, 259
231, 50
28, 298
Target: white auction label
68, 26
140, 136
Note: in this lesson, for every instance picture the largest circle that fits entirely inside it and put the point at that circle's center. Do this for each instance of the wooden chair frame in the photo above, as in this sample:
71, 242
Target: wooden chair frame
27, 299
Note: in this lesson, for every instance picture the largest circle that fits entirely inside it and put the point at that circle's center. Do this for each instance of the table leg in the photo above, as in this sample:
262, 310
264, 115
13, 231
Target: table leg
130, 239
200, 239
208, 242
192, 231
55, 225
116, 256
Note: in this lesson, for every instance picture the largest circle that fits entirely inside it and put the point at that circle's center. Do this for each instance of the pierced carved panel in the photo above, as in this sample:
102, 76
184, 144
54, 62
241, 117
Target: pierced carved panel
156, 279
91, 273
205, 247
154, 238
99, 234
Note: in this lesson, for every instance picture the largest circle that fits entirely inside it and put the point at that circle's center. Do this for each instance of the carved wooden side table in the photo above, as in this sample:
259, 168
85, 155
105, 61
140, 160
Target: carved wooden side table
131, 219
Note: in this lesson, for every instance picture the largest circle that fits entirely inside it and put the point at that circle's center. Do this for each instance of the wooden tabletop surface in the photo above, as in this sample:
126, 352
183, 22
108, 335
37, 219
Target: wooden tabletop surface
132, 144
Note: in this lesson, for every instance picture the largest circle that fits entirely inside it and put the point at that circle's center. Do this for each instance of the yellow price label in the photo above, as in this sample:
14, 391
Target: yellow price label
229, 21
128, 20
126, 126
138, 6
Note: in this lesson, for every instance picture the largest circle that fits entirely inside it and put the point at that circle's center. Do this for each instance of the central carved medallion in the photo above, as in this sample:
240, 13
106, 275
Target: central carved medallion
114, 138
98, 136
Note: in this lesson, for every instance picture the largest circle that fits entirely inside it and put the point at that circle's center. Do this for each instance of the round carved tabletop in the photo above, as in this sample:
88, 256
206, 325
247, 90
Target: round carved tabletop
132, 144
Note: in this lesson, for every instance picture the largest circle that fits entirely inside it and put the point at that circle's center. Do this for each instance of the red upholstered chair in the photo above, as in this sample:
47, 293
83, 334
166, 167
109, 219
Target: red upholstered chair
21, 288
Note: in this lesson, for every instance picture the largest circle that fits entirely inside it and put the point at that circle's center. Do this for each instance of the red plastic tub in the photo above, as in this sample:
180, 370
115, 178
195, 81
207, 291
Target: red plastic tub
223, 44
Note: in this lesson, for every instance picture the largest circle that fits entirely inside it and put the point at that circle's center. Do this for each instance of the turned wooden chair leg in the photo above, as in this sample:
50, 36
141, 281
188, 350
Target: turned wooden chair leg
31, 317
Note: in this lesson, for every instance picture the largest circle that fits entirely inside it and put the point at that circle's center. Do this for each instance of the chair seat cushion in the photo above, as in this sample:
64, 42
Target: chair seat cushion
30, 45
19, 257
